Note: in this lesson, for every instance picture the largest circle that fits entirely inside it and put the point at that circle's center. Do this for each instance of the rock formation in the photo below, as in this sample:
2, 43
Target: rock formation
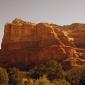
76, 31
26, 43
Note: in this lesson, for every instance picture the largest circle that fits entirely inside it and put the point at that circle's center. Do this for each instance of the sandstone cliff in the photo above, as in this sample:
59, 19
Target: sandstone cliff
76, 31
20, 34
26, 43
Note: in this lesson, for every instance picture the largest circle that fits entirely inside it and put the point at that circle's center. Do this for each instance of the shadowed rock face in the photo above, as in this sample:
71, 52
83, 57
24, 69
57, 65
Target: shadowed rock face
25, 43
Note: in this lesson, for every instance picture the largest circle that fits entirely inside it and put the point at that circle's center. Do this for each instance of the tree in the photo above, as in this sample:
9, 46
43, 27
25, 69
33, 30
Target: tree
54, 70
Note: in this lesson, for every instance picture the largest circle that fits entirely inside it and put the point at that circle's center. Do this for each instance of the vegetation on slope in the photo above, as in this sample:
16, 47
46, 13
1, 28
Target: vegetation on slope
50, 73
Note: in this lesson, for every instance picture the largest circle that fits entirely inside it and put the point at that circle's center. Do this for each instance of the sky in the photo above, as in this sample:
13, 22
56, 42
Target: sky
60, 12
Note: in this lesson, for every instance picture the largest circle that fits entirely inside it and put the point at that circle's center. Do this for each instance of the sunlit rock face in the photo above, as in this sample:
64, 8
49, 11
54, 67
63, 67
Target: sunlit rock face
20, 34
76, 31
26, 43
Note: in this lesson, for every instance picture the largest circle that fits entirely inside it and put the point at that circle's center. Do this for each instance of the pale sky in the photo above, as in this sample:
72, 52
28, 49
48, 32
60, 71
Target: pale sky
53, 11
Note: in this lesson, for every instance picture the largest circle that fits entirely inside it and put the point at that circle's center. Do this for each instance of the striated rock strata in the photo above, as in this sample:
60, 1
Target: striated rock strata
26, 43
76, 31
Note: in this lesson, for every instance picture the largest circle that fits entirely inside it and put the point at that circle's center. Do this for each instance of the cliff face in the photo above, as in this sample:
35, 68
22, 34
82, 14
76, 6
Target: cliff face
27, 43
20, 34
76, 31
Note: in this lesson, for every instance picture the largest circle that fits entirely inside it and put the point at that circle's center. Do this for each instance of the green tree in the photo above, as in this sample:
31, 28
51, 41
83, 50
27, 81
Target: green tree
54, 70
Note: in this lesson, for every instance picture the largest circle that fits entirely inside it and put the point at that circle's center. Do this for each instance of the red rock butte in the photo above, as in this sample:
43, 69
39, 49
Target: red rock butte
26, 43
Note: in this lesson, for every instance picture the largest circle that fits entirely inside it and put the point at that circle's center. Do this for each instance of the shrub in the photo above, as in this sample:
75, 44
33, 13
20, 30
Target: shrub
42, 81
45, 81
15, 76
3, 77
61, 82
73, 76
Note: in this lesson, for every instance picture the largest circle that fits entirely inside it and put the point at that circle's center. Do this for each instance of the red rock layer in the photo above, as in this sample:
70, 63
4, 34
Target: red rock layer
25, 43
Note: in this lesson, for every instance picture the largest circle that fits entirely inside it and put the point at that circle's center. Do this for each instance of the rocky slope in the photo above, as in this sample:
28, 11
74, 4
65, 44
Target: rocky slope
26, 43
76, 31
